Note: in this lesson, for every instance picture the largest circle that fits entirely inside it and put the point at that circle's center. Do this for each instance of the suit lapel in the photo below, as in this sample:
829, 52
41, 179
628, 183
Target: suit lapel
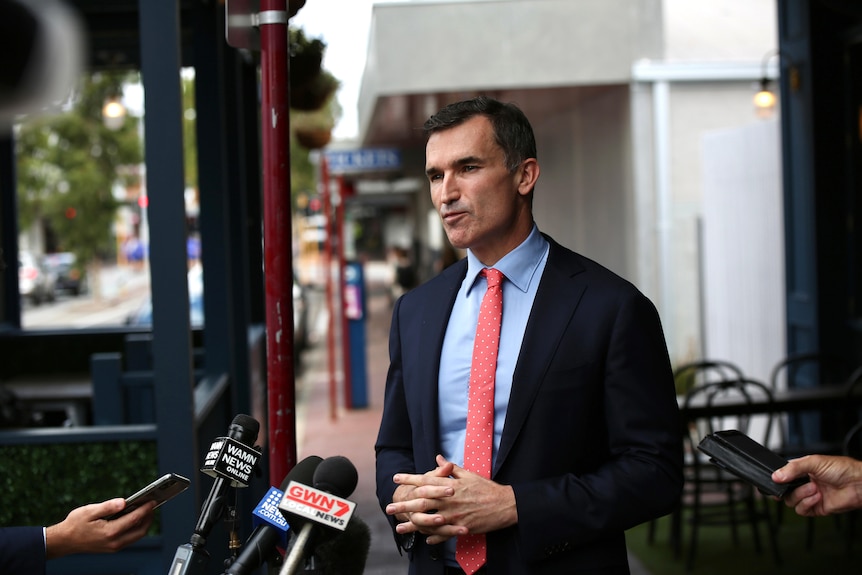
559, 293
435, 312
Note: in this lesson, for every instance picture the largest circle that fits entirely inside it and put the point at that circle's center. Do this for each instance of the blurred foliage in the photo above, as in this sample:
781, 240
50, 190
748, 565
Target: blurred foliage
190, 141
55, 478
310, 85
303, 174
306, 56
69, 164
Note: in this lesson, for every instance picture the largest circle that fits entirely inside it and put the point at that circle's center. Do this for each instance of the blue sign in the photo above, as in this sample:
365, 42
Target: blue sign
363, 160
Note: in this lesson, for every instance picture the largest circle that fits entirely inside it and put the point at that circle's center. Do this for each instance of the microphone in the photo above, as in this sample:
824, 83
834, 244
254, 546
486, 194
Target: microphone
346, 553
230, 460
270, 525
322, 505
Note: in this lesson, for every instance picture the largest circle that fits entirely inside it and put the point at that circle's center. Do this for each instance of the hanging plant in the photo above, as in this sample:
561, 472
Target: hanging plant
306, 57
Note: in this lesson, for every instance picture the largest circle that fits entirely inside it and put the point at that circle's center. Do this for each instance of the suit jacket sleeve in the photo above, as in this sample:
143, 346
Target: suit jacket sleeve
599, 448
22, 551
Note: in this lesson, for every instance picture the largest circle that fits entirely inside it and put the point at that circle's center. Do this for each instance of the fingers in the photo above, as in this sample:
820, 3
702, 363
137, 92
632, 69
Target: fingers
432, 525
808, 506
103, 509
804, 491
794, 468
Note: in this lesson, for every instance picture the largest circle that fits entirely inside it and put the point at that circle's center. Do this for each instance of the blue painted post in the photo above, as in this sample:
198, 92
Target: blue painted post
356, 312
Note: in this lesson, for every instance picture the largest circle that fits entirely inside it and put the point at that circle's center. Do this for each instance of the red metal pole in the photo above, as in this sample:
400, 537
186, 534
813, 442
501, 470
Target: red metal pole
342, 266
330, 304
278, 263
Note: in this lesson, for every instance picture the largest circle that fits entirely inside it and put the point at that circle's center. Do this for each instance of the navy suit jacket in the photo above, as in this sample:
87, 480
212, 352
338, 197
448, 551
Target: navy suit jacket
22, 551
591, 444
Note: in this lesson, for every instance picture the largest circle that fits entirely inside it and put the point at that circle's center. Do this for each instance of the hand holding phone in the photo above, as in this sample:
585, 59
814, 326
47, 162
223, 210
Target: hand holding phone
160, 490
747, 459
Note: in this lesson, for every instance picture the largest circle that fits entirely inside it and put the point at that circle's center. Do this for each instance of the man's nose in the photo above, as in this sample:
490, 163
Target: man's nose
448, 189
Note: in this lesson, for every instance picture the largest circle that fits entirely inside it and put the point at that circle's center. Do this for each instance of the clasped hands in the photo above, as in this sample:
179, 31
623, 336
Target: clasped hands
449, 501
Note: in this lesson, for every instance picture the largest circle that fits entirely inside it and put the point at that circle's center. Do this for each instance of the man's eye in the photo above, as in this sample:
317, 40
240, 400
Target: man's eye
470, 168
435, 177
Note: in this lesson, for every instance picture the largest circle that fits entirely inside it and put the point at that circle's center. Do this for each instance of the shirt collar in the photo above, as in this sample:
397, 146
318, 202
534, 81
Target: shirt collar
519, 265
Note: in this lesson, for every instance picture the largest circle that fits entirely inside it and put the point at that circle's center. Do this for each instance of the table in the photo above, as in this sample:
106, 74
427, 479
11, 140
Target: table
70, 393
797, 399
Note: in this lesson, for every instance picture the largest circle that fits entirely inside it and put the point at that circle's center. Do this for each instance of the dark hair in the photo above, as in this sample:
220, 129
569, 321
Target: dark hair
512, 130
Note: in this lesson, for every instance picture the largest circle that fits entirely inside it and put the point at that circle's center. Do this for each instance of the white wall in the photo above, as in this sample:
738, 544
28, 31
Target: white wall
743, 253
583, 197
719, 30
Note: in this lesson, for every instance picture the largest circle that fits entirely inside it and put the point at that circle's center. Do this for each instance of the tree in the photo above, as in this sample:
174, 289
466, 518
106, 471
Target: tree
68, 166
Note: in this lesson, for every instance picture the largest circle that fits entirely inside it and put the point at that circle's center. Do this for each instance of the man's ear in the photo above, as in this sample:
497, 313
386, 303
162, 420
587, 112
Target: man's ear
529, 174
42, 47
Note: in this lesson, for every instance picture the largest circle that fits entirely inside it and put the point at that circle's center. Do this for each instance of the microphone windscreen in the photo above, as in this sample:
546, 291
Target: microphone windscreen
347, 553
336, 475
303, 472
244, 428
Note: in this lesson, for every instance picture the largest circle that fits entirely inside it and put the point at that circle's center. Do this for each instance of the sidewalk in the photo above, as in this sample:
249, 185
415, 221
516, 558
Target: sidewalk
352, 432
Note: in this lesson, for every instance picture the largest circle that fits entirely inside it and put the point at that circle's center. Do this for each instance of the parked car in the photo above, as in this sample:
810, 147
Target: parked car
35, 282
69, 277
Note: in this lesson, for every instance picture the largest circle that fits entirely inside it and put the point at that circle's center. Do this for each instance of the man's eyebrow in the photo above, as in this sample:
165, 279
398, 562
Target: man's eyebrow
469, 160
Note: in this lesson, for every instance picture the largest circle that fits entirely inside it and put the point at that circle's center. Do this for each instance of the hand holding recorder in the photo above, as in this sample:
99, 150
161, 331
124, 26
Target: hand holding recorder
742, 456
835, 484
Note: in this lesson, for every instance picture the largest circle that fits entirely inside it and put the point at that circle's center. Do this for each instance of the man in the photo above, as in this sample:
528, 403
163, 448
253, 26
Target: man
24, 550
586, 438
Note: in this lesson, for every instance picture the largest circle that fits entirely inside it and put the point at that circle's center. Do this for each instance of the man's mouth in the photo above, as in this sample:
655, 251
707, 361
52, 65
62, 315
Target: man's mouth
452, 216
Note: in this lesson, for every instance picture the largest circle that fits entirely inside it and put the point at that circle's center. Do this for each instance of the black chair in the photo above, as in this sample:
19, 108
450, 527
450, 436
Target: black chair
713, 497
687, 376
696, 373
800, 433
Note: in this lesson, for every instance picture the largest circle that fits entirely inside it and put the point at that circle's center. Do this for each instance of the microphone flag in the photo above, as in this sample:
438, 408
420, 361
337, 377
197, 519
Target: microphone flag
267, 513
230, 459
317, 505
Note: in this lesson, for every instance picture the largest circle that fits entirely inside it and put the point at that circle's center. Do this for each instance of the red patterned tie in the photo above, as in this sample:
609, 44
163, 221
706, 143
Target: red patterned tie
471, 549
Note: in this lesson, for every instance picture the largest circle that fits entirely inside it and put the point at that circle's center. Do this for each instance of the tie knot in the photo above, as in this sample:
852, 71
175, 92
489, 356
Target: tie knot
493, 276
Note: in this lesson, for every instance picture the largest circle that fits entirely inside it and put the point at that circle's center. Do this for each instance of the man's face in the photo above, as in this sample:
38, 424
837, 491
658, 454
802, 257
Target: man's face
482, 204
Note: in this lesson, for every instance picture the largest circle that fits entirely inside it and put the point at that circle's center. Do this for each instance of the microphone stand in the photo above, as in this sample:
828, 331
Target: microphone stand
192, 558
297, 552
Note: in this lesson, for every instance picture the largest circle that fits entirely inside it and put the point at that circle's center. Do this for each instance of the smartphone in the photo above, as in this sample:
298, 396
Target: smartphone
160, 490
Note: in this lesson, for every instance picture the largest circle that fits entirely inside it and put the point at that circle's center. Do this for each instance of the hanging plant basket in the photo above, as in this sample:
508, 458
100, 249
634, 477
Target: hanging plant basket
313, 95
313, 138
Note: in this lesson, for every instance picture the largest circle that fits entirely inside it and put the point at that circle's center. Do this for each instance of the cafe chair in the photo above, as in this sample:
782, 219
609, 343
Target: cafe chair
695, 373
712, 497
687, 376
799, 433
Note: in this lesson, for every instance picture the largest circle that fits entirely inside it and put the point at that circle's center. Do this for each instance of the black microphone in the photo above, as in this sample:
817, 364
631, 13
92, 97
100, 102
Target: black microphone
320, 511
347, 552
230, 460
272, 528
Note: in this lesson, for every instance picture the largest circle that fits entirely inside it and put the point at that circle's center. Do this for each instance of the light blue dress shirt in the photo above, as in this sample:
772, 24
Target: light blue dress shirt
522, 268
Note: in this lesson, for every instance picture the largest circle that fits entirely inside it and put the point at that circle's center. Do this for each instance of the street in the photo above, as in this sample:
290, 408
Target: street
118, 293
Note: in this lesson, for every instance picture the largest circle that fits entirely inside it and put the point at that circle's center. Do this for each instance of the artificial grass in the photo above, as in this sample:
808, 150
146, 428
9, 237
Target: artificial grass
717, 555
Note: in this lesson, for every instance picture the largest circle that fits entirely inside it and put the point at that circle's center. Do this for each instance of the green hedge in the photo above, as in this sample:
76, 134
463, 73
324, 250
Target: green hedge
40, 484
